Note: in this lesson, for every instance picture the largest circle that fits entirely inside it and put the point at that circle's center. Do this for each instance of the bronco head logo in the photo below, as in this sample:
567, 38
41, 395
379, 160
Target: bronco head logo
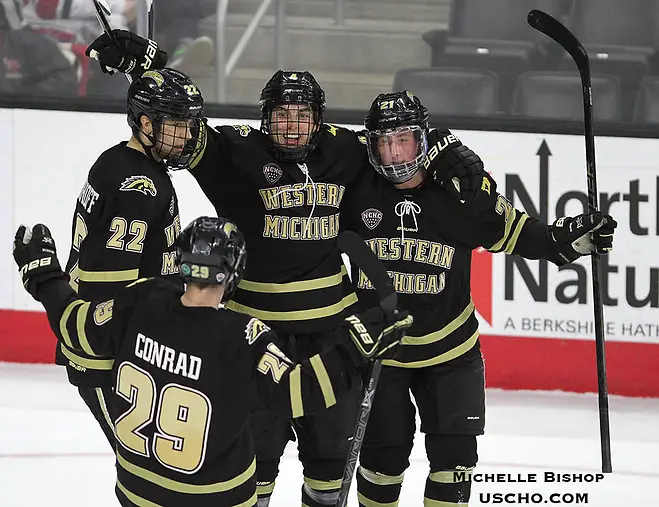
139, 184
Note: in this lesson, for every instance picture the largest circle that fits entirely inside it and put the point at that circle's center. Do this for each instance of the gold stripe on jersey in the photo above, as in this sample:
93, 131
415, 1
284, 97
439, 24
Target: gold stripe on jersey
323, 485
143, 502
126, 275
512, 243
441, 358
313, 313
515, 220
137, 500
92, 364
203, 137
64, 321
81, 320
304, 285
323, 380
295, 387
366, 502
182, 487
442, 333
104, 408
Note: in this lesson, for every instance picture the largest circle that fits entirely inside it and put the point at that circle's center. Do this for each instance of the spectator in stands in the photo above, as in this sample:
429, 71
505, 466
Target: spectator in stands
178, 21
32, 63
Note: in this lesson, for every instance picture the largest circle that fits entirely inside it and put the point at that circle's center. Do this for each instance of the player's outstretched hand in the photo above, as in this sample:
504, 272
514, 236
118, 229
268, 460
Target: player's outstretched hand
583, 235
132, 55
36, 257
374, 334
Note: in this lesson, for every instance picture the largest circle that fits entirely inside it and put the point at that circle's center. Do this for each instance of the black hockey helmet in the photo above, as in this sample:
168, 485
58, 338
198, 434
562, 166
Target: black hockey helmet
211, 251
163, 95
391, 117
288, 87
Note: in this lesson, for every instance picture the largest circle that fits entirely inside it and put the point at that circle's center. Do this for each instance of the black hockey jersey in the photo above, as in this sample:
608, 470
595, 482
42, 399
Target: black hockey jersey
289, 213
425, 238
184, 381
124, 226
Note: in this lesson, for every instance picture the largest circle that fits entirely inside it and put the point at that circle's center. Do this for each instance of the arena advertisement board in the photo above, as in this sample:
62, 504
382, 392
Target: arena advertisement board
536, 318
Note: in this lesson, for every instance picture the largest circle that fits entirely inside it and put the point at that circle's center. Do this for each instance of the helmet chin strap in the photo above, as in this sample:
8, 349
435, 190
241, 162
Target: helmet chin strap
148, 149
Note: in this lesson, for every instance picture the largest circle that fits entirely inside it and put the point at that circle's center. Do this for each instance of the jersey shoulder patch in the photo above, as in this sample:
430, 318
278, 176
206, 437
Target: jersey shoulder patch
139, 183
254, 329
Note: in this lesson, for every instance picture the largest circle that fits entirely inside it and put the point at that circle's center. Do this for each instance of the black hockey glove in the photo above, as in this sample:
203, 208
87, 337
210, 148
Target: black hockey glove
583, 235
36, 257
460, 171
375, 335
134, 55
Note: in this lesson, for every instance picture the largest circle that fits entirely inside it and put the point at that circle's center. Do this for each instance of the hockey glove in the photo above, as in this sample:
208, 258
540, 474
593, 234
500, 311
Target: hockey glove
134, 55
583, 235
460, 171
375, 335
36, 257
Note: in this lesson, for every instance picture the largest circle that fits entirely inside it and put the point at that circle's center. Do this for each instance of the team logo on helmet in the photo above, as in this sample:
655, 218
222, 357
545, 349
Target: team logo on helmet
156, 76
272, 173
243, 130
371, 217
139, 184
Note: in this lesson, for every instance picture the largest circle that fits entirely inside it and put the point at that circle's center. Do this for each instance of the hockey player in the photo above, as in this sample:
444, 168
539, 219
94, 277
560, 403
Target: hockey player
185, 367
126, 218
283, 185
425, 236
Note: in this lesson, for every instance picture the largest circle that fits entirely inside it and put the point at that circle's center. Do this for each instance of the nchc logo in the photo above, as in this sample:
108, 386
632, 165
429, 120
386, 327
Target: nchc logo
576, 289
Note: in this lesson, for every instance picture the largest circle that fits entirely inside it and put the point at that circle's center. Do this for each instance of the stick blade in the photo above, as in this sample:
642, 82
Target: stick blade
555, 30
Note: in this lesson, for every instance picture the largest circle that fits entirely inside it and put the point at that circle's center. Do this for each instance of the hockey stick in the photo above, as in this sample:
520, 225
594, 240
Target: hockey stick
102, 11
151, 18
555, 30
361, 255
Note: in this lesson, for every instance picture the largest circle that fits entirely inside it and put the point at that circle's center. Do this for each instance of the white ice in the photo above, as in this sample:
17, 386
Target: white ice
53, 454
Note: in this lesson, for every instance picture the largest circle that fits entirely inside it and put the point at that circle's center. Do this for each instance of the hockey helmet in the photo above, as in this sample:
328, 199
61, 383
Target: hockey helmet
397, 137
164, 97
211, 251
292, 134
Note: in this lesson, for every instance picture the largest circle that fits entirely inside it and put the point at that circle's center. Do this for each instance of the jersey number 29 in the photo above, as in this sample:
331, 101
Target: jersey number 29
182, 418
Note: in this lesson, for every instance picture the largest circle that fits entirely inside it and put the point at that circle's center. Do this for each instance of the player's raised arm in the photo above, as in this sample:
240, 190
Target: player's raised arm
82, 327
498, 226
314, 384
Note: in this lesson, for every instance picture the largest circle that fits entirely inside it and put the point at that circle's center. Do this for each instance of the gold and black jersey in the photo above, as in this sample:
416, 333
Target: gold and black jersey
289, 213
425, 239
184, 380
124, 226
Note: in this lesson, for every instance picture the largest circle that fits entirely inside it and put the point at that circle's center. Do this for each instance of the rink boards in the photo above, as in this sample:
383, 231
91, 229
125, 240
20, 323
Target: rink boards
536, 320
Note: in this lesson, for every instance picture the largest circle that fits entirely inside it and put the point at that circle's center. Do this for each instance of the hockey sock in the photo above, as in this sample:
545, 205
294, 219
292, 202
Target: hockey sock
264, 492
374, 488
320, 493
449, 487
